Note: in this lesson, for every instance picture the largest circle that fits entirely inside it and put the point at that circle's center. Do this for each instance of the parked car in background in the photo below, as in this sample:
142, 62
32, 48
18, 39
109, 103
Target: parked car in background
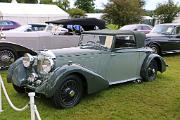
30, 28
13, 44
164, 38
104, 58
138, 27
8, 25
79, 25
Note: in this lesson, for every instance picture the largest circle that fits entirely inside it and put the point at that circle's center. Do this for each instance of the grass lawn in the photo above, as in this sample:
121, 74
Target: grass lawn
157, 100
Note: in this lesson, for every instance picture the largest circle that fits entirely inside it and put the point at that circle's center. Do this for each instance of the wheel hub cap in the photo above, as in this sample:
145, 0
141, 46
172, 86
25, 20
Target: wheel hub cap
72, 93
5, 58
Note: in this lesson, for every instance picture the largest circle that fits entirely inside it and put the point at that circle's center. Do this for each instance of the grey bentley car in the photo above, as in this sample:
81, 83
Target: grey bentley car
103, 58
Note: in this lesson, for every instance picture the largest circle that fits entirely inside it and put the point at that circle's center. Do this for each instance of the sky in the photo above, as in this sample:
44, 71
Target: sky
150, 4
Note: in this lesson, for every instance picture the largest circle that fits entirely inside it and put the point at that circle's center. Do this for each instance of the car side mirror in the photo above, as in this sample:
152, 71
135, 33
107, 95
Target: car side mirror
28, 30
135, 29
178, 36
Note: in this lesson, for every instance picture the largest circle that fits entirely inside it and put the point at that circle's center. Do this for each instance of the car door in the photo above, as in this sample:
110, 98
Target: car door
169, 42
175, 38
123, 60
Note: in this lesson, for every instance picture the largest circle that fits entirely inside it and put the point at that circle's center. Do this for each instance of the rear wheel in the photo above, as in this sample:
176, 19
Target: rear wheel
69, 92
7, 57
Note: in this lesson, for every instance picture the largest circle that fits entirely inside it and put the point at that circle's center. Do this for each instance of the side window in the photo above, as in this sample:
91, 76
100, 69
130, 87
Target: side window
146, 28
125, 41
178, 30
139, 28
3, 23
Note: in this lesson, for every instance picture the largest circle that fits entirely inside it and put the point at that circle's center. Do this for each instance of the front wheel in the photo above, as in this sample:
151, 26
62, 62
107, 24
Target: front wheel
155, 49
19, 89
151, 71
69, 92
7, 57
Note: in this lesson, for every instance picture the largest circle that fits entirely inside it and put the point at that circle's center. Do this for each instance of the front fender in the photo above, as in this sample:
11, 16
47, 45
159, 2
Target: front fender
19, 49
17, 73
94, 81
160, 62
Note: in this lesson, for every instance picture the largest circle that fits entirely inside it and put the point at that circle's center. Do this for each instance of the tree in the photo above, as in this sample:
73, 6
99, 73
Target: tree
166, 12
27, 1
76, 12
5, 1
46, 1
64, 4
86, 5
122, 12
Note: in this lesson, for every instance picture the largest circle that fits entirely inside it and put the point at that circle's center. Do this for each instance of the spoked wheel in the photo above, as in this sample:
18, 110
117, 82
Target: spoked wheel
69, 93
7, 57
151, 72
155, 49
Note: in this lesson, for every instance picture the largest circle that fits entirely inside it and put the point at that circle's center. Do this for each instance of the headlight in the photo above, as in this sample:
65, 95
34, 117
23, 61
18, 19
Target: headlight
28, 60
47, 65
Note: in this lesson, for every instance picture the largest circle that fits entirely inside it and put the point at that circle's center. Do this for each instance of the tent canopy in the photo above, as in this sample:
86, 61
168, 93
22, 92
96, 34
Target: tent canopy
31, 10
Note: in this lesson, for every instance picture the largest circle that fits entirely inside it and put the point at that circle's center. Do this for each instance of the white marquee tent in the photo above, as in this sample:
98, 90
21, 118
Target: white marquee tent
31, 13
177, 19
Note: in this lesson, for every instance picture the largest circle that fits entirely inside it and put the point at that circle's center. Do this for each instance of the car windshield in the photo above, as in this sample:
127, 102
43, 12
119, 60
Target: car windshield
22, 28
96, 41
163, 29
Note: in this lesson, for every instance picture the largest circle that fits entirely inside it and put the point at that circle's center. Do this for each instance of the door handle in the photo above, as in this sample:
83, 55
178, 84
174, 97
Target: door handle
113, 55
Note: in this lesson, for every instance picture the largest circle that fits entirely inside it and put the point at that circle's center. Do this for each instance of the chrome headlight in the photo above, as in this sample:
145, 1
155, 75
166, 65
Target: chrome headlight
46, 65
28, 60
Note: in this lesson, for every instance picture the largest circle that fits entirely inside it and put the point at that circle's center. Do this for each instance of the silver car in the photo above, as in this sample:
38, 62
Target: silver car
13, 44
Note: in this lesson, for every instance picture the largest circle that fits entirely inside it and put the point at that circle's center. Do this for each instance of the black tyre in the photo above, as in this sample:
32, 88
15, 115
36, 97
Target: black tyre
155, 49
151, 71
69, 92
19, 89
7, 57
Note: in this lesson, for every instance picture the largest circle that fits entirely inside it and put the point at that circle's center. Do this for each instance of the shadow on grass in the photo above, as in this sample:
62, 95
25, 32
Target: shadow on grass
170, 55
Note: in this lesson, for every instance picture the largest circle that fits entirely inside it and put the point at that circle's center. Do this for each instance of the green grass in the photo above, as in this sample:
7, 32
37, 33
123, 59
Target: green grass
112, 26
157, 100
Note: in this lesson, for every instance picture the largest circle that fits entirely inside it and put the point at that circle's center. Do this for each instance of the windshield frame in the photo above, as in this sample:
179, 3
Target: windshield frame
163, 29
109, 39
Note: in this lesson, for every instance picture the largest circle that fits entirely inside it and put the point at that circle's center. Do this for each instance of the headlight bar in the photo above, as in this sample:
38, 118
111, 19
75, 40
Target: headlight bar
28, 60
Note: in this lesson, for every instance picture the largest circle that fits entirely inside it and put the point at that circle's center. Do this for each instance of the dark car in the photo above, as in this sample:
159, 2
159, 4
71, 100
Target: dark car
138, 27
164, 38
8, 24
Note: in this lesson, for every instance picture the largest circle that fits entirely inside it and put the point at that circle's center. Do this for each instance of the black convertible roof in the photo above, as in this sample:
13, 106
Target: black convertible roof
80, 21
139, 36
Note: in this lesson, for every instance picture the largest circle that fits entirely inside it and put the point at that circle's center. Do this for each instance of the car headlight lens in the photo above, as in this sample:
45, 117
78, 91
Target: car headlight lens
28, 60
47, 65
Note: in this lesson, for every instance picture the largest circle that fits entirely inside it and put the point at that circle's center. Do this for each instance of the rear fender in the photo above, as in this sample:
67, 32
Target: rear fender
160, 62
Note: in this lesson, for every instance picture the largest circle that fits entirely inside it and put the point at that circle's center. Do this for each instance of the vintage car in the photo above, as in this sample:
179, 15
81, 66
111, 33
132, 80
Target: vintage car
138, 27
164, 38
14, 44
8, 25
104, 58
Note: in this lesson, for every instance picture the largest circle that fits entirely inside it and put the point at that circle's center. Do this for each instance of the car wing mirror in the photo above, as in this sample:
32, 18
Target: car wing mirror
28, 30
178, 36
